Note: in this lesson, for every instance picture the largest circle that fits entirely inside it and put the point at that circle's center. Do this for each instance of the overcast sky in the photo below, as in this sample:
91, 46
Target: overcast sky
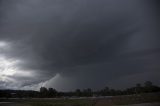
69, 44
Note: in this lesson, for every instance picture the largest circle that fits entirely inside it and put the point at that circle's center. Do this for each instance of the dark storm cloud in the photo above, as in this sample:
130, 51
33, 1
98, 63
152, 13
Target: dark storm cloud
80, 43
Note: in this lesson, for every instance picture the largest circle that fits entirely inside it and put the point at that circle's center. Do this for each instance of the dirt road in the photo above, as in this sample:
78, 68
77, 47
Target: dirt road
143, 104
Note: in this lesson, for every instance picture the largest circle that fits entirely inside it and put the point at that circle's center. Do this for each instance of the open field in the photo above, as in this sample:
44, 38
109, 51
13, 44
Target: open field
76, 104
130, 100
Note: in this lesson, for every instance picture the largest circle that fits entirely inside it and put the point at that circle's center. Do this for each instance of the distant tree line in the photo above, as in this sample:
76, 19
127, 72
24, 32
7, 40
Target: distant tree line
148, 87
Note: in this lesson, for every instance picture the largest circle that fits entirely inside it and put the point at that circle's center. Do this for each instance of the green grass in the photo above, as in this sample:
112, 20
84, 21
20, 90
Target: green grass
136, 99
117, 100
68, 102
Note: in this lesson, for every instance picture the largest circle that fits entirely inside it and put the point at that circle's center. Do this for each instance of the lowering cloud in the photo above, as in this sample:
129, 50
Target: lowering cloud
69, 44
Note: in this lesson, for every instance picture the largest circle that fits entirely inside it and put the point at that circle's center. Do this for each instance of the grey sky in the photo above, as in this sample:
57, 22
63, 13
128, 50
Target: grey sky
69, 44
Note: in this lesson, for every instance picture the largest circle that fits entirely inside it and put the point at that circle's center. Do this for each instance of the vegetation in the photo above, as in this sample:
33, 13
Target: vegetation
53, 93
146, 93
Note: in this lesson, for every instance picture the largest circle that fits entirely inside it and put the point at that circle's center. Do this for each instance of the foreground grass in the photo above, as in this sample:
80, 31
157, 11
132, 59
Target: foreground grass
130, 99
116, 100
67, 102
136, 99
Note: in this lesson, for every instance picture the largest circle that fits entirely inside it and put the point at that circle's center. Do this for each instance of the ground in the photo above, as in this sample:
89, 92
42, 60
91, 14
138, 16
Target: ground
129, 100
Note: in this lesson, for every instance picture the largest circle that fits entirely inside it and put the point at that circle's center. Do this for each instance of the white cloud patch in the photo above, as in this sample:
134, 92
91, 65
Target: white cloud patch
9, 68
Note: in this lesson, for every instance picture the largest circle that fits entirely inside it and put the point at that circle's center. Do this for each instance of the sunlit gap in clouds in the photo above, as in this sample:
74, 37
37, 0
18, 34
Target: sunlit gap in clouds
9, 66
3, 44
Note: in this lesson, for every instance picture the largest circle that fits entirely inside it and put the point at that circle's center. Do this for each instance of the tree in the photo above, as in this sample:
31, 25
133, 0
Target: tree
87, 92
113, 92
43, 92
148, 84
52, 92
105, 91
78, 92
138, 88
43, 89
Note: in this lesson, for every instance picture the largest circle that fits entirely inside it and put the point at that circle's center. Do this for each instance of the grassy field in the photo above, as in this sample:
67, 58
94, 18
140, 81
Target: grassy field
49, 102
67, 102
112, 101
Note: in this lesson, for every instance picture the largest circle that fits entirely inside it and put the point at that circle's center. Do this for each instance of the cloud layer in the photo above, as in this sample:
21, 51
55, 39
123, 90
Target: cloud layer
78, 43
